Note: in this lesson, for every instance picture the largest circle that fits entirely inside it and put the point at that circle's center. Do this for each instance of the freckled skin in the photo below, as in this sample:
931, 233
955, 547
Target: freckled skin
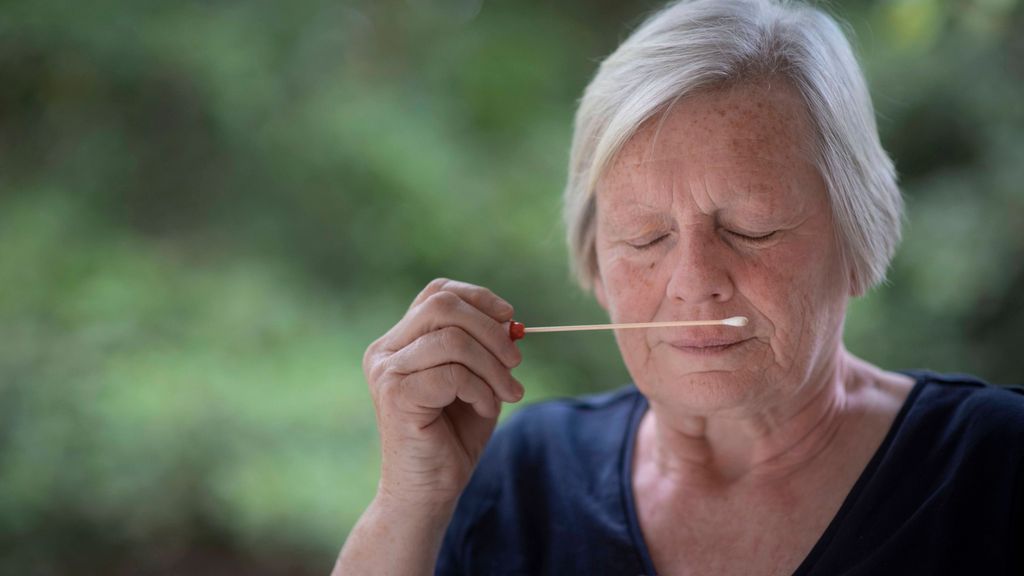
669, 211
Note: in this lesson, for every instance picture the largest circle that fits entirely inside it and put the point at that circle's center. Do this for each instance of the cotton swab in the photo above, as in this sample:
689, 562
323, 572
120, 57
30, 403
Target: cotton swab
517, 330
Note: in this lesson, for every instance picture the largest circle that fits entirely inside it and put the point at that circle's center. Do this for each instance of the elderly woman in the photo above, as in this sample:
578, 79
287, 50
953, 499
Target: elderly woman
725, 163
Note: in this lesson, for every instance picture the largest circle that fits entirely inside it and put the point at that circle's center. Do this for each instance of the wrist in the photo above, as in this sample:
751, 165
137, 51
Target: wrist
423, 510
395, 537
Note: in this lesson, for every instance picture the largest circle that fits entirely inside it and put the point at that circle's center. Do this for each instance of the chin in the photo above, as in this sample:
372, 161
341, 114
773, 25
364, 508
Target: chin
703, 392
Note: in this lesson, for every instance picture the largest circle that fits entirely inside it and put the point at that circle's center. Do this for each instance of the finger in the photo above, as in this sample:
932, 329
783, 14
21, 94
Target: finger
446, 309
479, 297
452, 345
439, 386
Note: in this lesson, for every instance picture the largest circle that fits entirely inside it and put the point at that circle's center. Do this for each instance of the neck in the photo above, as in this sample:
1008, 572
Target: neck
753, 445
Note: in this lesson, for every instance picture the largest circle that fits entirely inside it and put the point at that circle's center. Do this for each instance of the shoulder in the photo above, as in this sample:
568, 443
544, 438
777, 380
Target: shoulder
968, 413
950, 471
966, 398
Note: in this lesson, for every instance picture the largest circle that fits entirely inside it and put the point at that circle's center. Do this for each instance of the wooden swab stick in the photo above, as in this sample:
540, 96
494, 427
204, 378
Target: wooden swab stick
517, 330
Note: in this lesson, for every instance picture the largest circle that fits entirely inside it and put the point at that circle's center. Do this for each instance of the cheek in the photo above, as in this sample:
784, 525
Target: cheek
801, 294
633, 288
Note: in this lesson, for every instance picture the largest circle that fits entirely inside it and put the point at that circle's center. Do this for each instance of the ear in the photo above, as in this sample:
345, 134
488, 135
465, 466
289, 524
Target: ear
599, 292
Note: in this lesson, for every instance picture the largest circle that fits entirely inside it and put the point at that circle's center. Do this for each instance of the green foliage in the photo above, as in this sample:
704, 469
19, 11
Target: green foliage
208, 210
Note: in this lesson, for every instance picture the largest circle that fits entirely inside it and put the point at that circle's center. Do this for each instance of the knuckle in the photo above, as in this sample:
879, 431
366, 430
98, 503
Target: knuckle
454, 374
378, 371
437, 284
375, 360
389, 391
453, 340
370, 357
434, 286
376, 376
443, 302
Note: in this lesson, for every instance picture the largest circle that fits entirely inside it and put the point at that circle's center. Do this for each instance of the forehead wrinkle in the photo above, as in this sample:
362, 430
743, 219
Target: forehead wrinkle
632, 209
628, 184
627, 220
706, 204
766, 163
752, 141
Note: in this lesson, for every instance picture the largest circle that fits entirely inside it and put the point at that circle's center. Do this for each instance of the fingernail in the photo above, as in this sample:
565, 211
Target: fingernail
518, 391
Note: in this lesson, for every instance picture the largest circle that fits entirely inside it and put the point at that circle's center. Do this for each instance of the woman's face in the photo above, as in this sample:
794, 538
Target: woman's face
718, 211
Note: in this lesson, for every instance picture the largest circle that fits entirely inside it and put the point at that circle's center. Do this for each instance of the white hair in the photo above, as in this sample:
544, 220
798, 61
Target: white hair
696, 45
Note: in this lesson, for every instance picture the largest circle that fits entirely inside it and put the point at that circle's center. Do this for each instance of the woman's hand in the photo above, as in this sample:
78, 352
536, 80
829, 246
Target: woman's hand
438, 378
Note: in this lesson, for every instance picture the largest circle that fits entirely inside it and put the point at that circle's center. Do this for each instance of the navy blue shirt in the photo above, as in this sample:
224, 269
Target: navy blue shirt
944, 493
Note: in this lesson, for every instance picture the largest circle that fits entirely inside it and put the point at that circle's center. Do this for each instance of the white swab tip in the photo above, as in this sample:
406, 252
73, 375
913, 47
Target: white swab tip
735, 321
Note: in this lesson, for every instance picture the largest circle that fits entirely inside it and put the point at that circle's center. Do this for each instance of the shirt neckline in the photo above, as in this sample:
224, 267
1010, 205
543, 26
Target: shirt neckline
640, 407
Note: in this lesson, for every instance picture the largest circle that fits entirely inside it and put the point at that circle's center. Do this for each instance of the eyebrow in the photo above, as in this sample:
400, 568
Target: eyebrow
636, 214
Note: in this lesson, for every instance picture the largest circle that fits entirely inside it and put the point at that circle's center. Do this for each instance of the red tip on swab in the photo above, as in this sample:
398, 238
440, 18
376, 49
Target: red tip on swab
516, 330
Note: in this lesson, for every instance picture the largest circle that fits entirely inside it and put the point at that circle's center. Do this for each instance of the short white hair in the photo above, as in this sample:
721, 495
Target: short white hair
695, 45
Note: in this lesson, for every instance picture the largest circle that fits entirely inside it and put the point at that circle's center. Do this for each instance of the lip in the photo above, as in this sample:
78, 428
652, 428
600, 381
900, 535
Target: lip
707, 345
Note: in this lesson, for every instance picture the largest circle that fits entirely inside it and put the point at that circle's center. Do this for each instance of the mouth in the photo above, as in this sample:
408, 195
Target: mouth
707, 346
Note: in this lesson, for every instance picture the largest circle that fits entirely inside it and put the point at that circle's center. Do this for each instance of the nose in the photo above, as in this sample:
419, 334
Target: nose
700, 271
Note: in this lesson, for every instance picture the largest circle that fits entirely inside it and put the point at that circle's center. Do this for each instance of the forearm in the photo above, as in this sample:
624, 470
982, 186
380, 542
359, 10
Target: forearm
391, 539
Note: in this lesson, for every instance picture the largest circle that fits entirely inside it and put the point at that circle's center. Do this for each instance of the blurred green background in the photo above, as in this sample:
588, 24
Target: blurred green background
209, 209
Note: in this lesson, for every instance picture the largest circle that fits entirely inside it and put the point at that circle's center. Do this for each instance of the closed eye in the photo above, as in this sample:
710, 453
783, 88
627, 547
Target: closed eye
750, 238
644, 245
